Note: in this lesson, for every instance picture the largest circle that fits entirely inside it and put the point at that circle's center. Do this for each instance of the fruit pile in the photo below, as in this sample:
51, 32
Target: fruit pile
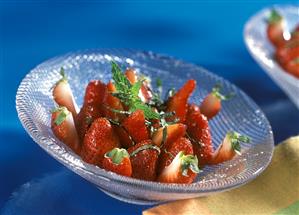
286, 43
127, 128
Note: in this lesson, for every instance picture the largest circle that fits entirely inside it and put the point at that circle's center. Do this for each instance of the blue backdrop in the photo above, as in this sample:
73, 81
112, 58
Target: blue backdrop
202, 32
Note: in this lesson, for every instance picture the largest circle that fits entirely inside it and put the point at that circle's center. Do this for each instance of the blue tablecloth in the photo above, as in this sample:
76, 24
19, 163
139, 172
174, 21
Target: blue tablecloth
208, 34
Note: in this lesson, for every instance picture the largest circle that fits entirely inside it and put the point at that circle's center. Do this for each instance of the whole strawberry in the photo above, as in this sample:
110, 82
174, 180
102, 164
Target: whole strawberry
98, 140
118, 161
275, 28
199, 132
92, 108
178, 103
183, 170
63, 126
63, 94
171, 150
211, 104
144, 160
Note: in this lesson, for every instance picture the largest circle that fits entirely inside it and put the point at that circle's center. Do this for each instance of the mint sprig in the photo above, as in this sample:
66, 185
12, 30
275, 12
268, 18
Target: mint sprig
128, 93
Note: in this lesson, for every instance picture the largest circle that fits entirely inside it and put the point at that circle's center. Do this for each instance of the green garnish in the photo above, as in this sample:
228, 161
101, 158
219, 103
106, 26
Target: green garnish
188, 162
117, 155
145, 147
63, 113
236, 139
296, 60
216, 92
128, 93
274, 17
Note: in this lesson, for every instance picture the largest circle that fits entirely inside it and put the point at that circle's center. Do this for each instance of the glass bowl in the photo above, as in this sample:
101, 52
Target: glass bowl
262, 50
34, 102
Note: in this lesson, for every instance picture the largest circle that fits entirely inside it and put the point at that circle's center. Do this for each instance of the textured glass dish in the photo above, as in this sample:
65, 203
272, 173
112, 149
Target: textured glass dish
262, 50
34, 101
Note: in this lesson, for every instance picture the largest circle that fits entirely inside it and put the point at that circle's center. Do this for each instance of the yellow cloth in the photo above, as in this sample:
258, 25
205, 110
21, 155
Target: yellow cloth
275, 191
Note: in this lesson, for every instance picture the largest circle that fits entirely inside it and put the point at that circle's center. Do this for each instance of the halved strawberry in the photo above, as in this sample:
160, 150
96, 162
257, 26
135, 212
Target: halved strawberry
211, 105
275, 28
199, 132
183, 169
144, 160
173, 132
118, 161
63, 126
229, 147
63, 95
98, 140
95, 94
112, 104
179, 102
135, 126
171, 150
145, 93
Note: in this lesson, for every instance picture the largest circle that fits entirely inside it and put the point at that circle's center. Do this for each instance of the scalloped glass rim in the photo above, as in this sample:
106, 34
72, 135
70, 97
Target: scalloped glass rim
147, 61
262, 50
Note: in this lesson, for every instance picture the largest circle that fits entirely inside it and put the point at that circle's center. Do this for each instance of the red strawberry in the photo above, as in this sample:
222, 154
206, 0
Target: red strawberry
98, 140
135, 126
199, 131
288, 52
229, 147
183, 169
63, 95
144, 159
95, 94
118, 161
145, 93
63, 126
275, 28
124, 137
179, 102
211, 104
169, 152
173, 132
295, 33
293, 67
113, 103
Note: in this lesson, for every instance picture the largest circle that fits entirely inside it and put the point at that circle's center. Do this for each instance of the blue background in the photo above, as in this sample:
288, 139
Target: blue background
208, 34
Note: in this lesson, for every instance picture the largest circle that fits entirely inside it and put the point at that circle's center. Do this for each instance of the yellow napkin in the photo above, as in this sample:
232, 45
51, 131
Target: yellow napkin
275, 191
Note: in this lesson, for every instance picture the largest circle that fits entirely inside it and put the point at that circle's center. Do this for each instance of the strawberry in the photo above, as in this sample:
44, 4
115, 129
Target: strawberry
173, 132
144, 160
199, 132
98, 140
178, 102
229, 147
293, 67
135, 126
183, 169
295, 33
63, 126
95, 94
63, 95
124, 137
168, 153
211, 104
288, 52
113, 104
275, 29
118, 161
145, 93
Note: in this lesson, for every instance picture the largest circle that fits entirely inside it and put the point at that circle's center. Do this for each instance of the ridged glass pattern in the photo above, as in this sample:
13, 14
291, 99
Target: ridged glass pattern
34, 102
262, 50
